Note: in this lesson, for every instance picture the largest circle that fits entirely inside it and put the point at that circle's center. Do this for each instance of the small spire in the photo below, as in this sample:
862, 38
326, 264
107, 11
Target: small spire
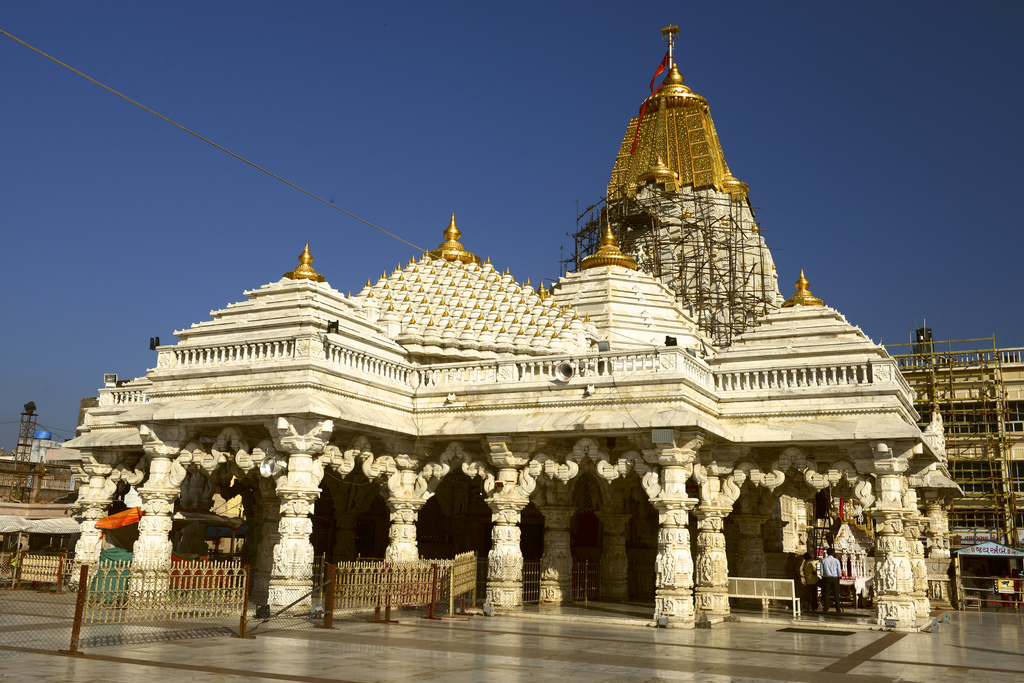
609, 254
451, 249
305, 270
803, 296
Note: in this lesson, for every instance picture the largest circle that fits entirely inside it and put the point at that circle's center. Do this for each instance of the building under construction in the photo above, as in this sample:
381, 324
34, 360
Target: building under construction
674, 205
978, 390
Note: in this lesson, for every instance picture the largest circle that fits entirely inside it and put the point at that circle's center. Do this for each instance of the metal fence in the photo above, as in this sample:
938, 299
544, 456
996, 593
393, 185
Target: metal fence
51, 571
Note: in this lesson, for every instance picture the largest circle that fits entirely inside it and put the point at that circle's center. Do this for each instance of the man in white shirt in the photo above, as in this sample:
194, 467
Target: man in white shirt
831, 570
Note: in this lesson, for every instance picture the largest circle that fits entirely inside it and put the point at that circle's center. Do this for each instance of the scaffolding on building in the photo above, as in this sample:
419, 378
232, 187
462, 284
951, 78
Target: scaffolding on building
963, 381
702, 244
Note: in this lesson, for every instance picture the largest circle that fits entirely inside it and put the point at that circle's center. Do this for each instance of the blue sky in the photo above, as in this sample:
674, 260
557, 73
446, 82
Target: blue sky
881, 141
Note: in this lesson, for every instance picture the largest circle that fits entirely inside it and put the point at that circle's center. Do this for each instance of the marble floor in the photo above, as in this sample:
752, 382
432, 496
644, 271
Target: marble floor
971, 647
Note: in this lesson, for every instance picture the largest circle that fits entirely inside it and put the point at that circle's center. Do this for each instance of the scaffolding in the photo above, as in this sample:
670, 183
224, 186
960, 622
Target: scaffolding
704, 245
964, 382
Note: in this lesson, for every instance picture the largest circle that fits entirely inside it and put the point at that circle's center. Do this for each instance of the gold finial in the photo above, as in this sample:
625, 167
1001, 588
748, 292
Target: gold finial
451, 249
803, 296
305, 270
609, 254
657, 172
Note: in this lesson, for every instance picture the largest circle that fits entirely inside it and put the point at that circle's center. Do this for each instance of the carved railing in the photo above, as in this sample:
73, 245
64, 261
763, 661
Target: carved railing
223, 354
129, 393
794, 377
589, 366
367, 364
917, 361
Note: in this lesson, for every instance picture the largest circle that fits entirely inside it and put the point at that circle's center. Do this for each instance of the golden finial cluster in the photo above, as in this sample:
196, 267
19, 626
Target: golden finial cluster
305, 270
803, 296
451, 249
608, 254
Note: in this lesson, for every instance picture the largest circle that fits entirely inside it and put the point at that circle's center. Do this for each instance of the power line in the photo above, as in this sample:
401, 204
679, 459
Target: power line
211, 142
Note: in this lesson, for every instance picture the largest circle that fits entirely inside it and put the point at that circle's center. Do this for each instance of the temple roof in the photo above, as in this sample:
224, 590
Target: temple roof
441, 306
676, 132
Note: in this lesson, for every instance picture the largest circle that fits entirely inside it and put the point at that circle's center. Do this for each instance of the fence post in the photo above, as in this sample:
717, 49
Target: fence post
21, 563
332, 580
433, 590
60, 573
245, 609
76, 626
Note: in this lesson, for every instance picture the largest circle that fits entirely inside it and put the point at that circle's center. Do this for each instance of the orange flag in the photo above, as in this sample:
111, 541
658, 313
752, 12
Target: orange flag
123, 518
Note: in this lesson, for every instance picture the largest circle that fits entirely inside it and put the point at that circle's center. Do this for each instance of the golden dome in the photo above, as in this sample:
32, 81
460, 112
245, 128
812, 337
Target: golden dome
608, 255
451, 249
676, 130
305, 270
657, 172
803, 296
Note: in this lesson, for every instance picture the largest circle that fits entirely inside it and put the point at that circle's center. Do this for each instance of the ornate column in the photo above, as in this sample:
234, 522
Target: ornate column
894, 574
937, 524
268, 518
912, 525
94, 499
614, 561
404, 504
298, 489
511, 493
556, 563
152, 551
673, 595
711, 569
750, 545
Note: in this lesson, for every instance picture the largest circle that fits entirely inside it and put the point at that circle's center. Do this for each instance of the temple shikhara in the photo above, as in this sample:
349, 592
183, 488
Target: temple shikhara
662, 411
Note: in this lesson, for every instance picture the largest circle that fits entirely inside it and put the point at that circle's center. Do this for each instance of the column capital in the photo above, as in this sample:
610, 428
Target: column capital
680, 448
301, 435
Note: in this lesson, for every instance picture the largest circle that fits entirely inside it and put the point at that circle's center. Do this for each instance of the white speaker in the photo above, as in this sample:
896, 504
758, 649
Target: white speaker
564, 372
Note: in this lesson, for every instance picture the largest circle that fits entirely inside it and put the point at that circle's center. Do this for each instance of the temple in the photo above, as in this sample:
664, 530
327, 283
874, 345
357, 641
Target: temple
624, 417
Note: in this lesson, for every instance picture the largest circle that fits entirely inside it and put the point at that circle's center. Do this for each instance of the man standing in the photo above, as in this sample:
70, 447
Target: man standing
809, 579
831, 570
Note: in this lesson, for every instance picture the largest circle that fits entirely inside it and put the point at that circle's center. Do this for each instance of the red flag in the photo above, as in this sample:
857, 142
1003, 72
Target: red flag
661, 67
643, 107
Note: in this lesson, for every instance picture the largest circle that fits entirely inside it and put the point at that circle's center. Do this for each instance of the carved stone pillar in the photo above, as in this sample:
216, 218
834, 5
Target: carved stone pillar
912, 525
268, 519
152, 550
505, 559
298, 489
510, 494
750, 545
405, 511
711, 569
894, 574
937, 527
673, 594
614, 561
93, 503
556, 564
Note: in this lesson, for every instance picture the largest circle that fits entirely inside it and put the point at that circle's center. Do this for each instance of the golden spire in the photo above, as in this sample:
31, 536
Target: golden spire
451, 249
803, 296
305, 270
609, 254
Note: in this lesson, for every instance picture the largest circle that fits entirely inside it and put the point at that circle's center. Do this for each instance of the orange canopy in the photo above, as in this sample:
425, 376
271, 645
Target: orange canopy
123, 518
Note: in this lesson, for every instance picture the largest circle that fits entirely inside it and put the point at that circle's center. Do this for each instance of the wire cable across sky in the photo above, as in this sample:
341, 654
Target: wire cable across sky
211, 142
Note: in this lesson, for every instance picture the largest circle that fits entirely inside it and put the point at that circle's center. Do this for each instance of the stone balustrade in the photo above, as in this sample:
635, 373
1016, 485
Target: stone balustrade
366, 363
793, 378
225, 354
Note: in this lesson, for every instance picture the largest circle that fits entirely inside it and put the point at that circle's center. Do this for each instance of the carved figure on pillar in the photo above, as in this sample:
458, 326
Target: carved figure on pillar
614, 560
556, 563
912, 529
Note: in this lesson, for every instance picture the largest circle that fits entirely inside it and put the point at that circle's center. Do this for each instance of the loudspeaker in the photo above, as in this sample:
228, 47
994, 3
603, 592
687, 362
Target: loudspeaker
564, 372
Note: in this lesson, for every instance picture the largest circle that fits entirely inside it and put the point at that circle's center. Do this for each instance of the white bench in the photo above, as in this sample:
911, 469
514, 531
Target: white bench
765, 590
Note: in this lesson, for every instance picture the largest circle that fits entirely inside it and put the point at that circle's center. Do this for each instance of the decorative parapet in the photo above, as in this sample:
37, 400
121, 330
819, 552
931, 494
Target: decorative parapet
129, 393
793, 377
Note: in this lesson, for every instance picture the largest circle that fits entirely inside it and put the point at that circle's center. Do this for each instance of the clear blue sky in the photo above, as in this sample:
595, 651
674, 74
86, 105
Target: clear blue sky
882, 141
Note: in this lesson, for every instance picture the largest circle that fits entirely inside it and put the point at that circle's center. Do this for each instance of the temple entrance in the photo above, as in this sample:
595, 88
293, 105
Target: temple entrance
455, 519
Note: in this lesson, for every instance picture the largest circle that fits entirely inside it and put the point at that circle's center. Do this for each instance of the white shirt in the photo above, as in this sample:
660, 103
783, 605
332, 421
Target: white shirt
830, 566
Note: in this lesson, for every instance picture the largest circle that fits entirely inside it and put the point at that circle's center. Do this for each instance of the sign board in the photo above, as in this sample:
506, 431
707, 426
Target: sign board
1004, 585
990, 550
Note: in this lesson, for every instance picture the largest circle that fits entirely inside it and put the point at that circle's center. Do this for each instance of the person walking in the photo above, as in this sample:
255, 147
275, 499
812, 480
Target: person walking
831, 570
809, 579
